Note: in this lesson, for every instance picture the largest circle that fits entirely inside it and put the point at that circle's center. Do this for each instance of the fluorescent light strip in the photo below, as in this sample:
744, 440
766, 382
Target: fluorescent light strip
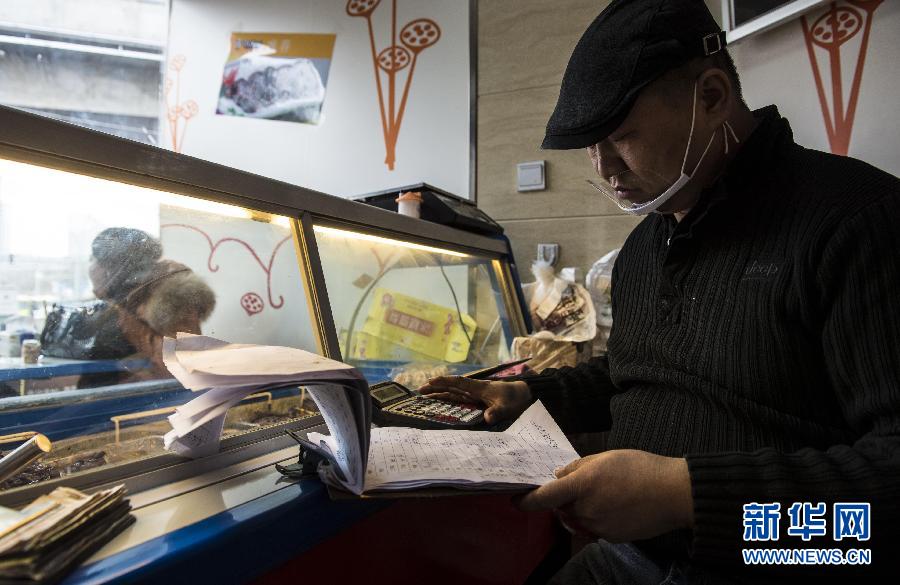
223, 209
378, 239
204, 205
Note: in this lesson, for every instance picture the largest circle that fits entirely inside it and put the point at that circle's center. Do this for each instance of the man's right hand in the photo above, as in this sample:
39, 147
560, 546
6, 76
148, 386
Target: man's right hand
501, 400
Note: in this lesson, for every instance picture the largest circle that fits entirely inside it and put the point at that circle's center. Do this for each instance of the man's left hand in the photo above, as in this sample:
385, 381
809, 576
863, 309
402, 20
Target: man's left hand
620, 495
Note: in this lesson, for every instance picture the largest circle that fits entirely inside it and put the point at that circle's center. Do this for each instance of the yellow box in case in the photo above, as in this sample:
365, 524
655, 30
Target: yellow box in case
423, 327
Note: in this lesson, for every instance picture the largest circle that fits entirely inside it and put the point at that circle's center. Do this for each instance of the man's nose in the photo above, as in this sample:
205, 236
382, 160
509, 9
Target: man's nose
606, 160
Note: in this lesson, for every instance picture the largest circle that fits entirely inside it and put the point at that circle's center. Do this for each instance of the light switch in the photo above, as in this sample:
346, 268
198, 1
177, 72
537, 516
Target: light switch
548, 253
530, 176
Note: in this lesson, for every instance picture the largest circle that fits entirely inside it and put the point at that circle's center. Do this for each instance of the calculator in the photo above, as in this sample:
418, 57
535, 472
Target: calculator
397, 405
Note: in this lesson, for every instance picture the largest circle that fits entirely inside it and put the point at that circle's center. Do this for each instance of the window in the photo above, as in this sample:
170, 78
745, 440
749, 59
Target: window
407, 311
95, 63
99, 272
742, 18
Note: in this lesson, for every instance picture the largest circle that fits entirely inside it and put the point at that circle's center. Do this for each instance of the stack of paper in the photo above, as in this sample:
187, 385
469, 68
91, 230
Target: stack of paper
56, 531
230, 371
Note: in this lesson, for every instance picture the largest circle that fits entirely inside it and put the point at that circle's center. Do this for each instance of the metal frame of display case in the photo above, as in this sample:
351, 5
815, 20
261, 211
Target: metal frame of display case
40, 141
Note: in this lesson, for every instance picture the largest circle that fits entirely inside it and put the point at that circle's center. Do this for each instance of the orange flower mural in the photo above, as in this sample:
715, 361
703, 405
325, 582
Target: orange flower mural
830, 34
415, 37
177, 112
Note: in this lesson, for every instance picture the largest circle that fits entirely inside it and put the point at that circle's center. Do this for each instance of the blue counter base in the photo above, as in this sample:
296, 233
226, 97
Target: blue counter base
234, 546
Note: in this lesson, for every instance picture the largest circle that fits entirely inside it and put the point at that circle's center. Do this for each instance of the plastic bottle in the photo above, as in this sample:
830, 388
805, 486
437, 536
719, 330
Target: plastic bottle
409, 203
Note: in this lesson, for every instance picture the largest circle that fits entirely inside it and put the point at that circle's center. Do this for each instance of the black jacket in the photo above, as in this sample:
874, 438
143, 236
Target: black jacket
760, 339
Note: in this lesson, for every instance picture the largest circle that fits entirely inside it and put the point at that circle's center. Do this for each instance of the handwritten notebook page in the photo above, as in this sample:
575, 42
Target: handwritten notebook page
524, 455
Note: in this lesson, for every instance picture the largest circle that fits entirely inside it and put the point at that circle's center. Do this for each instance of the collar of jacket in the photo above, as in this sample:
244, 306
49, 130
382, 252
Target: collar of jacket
746, 169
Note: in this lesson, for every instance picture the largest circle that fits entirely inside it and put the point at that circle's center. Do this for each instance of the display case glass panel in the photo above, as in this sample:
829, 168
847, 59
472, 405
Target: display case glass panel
407, 311
96, 273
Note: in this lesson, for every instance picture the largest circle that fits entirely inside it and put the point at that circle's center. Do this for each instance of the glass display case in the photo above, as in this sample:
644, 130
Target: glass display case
409, 312
108, 245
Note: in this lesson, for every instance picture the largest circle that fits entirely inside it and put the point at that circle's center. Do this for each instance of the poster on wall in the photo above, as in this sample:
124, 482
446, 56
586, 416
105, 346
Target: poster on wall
276, 76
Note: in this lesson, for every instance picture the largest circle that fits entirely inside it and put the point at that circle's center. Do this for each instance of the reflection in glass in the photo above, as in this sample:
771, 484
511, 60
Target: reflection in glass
141, 298
407, 311
99, 272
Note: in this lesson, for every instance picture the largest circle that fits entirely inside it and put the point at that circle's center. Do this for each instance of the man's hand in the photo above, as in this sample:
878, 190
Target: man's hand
620, 495
501, 400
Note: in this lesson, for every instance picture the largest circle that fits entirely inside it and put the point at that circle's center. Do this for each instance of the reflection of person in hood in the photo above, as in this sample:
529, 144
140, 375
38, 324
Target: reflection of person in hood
155, 297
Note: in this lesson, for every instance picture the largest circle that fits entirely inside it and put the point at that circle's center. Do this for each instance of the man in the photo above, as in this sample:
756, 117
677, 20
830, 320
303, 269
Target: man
754, 360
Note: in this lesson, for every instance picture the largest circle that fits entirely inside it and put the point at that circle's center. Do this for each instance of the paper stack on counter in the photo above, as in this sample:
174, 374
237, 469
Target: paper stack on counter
228, 372
397, 459
57, 531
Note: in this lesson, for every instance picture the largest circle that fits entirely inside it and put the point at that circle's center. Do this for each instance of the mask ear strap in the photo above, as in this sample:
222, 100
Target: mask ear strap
691, 135
726, 128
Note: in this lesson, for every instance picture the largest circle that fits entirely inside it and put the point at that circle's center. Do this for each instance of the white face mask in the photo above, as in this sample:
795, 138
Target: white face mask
660, 200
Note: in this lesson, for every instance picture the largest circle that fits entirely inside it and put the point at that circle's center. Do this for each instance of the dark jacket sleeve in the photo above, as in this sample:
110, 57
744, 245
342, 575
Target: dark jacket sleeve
858, 277
577, 397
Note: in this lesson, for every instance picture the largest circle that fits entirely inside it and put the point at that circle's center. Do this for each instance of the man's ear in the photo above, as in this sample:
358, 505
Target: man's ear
715, 90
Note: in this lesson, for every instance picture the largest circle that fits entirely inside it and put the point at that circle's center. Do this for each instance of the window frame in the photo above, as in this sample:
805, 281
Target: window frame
106, 46
790, 10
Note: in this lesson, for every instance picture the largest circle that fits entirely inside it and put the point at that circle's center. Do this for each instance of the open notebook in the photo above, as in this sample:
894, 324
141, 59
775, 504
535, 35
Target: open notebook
357, 458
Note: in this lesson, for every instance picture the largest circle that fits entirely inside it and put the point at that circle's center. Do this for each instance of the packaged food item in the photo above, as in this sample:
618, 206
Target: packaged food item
398, 322
545, 351
11, 343
31, 351
415, 375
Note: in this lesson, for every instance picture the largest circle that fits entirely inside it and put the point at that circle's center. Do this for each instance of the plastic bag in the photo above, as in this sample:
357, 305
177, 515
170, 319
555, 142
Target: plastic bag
598, 282
563, 308
564, 319
545, 351
88, 331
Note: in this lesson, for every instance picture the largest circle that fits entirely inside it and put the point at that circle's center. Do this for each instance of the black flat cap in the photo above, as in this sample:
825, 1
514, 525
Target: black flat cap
630, 44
